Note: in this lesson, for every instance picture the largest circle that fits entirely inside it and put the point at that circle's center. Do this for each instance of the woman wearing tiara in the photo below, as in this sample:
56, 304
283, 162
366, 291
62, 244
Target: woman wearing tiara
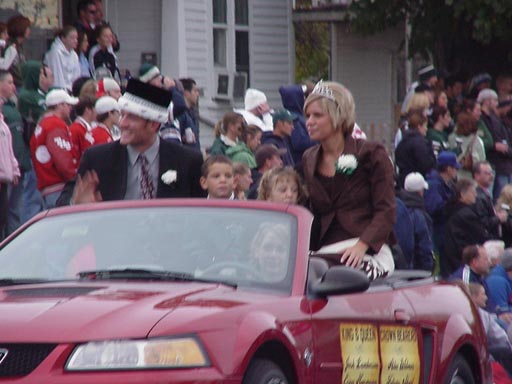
350, 183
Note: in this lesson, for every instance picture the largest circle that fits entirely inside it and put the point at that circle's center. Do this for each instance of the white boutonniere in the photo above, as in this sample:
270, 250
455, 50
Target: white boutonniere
346, 164
170, 176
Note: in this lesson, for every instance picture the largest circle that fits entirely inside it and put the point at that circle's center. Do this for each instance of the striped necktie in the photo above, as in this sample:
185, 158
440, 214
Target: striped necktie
146, 183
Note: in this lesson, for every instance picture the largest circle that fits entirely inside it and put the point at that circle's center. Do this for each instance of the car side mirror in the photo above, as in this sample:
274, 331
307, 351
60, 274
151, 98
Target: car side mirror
340, 280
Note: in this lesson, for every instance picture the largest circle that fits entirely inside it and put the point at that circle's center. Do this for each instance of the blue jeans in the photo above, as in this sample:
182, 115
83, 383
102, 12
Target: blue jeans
32, 199
500, 180
15, 193
50, 200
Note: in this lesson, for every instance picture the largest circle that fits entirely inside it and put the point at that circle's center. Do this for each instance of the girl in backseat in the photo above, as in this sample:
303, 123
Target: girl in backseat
282, 185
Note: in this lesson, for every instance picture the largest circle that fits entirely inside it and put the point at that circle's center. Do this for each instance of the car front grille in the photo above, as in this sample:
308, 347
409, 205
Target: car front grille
22, 359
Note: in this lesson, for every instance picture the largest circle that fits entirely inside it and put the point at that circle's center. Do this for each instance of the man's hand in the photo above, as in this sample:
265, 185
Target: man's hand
86, 189
353, 256
502, 215
501, 147
506, 317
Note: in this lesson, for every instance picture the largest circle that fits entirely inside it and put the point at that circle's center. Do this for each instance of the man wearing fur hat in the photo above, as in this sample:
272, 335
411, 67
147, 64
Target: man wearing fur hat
137, 165
256, 110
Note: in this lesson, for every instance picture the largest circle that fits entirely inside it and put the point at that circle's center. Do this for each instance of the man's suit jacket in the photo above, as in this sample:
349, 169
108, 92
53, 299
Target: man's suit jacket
363, 203
110, 161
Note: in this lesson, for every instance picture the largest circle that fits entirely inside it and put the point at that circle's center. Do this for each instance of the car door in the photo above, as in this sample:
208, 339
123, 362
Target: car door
364, 338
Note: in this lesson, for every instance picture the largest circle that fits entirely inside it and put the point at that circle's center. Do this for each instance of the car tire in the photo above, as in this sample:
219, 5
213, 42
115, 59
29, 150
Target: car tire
263, 371
459, 372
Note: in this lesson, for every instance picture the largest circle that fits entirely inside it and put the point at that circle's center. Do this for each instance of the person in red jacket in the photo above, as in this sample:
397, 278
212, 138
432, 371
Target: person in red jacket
107, 120
81, 129
51, 148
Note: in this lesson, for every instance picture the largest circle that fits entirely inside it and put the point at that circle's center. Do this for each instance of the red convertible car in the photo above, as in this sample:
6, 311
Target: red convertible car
201, 291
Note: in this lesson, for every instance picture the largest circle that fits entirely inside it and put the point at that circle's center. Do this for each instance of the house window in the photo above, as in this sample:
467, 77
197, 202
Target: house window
231, 35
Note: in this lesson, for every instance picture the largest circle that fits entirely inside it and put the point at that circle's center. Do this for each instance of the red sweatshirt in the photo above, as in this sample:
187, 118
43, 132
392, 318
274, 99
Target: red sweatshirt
52, 152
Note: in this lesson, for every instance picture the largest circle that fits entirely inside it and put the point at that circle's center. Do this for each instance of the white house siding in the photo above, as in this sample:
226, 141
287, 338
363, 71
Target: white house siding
180, 31
138, 26
272, 47
367, 66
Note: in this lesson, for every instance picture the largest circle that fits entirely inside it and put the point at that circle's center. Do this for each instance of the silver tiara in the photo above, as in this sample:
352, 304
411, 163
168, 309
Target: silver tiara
323, 90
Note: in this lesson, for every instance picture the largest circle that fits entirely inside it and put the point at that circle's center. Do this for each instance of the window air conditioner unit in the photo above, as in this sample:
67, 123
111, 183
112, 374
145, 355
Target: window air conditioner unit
223, 86
239, 85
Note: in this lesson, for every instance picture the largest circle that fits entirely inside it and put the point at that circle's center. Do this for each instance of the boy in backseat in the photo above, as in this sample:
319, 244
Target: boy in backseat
217, 177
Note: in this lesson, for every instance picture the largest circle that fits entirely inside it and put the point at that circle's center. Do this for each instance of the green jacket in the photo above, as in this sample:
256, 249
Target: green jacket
439, 138
485, 135
13, 119
242, 154
218, 147
30, 98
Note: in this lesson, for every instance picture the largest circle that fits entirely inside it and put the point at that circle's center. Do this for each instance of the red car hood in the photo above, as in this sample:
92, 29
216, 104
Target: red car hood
75, 312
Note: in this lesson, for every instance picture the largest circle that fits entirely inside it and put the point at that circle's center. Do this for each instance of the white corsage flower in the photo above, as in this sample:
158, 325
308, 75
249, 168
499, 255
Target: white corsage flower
169, 177
346, 164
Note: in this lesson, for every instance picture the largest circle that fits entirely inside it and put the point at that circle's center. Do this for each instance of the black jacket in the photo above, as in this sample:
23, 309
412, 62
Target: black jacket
110, 161
413, 154
463, 228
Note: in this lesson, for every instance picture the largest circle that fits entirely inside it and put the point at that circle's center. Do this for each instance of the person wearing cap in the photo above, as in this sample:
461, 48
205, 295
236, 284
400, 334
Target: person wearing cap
256, 110
280, 136
412, 196
479, 82
350, 184
500, 156
52, 151
293, 97
427, 75
107, 120
139, 165
81, 129
108, 87
491, 218
441, 191
180, 123
267, 157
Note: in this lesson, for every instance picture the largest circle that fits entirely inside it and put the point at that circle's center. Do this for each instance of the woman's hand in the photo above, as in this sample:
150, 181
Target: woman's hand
353, 256
86, 189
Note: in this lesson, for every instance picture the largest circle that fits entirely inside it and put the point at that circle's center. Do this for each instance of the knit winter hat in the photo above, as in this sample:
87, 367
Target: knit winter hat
148, 72
253, 98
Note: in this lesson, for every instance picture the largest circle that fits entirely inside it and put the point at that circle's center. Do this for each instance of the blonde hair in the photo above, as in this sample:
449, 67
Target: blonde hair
272, 176
228, 118
341, 108
88, 89
418, 101
505, 196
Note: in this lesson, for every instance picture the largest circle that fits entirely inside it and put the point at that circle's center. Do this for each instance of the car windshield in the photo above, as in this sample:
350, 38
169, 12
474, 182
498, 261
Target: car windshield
246, 247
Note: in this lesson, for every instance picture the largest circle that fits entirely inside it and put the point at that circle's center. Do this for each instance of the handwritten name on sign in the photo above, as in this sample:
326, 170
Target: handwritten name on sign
379, 355
360, 353
400, 355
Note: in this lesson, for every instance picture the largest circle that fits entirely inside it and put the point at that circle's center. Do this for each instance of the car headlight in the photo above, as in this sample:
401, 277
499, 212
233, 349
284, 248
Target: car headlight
185, 352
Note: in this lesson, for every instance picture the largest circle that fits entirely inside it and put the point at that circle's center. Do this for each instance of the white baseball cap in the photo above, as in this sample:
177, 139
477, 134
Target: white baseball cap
106, 104
414, 182
59, 96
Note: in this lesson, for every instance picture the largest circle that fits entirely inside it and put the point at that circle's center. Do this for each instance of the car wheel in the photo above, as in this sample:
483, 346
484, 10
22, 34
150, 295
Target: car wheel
264, 372
459, 372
